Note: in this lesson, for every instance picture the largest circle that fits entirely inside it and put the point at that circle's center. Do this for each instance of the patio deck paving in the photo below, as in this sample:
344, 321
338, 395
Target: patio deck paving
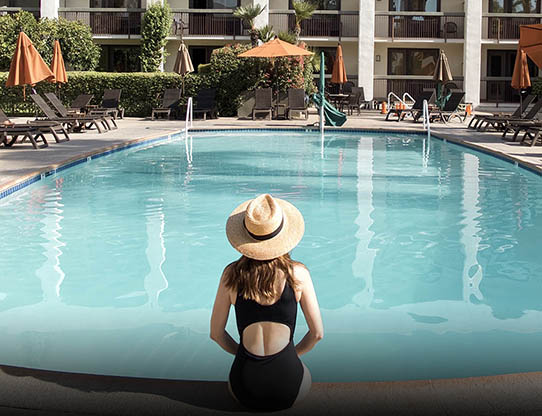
38, 392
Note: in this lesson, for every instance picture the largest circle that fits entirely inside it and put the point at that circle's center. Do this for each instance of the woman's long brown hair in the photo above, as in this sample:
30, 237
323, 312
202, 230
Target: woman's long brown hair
255, 279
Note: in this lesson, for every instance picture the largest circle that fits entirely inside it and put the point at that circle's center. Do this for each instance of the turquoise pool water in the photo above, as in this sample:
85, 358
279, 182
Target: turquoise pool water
425, 257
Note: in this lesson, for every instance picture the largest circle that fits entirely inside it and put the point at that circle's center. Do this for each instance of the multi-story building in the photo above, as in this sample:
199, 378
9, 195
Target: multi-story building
388, 45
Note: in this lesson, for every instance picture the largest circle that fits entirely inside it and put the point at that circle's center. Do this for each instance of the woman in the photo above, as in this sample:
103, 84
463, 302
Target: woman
264, 286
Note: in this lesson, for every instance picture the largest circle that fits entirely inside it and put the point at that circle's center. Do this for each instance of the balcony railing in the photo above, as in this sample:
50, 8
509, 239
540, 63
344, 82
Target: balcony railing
207, 22
329, 24
383, 85
107, 21
416, 25
506, 26
12, 10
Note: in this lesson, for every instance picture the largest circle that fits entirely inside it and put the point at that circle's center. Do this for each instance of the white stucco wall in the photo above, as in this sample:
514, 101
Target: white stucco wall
366, 46
473, 51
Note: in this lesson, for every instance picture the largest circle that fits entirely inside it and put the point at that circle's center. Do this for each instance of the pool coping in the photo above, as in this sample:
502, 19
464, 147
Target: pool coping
30, 178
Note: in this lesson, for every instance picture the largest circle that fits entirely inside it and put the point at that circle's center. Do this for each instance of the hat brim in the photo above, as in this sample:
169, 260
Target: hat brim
289, 236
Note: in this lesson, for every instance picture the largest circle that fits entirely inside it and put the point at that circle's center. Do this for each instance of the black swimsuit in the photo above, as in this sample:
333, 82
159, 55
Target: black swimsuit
269, 382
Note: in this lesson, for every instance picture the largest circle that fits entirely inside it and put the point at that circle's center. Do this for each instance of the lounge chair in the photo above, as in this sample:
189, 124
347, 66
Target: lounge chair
532, 136
296, 102
45, 126
27, 131
477, 119
80, 104
500, 123
106, 120
517, 127
416, 110
206, 103
264, 102
110, 104
170, 101
450, 110
72, 123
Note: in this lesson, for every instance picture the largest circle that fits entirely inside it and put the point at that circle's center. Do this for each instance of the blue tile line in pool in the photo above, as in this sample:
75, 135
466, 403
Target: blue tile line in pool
146, 142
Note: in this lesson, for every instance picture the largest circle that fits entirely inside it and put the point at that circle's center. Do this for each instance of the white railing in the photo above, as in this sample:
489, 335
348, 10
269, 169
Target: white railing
189, 114
188, 124
407, 96
392, 94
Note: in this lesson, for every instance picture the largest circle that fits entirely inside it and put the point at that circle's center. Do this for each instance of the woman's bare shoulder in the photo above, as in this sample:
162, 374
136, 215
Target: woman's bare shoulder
301, 273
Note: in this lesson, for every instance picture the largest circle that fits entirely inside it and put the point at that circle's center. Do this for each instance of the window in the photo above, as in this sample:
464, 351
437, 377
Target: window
214, 4
113, 4
120, 58
33, 4
514, 6
412, 61
322, 4
501, 64
201, 55
415, 5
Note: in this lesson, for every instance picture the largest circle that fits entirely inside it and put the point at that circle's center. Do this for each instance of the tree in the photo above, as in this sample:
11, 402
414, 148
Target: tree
79, 51
248, 14
303, 10
156, 27
266, 33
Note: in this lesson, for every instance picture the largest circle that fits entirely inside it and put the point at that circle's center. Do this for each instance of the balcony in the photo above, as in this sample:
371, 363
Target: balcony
415, 25
203, 23
323, 23
506, 26
4, 10
107, 22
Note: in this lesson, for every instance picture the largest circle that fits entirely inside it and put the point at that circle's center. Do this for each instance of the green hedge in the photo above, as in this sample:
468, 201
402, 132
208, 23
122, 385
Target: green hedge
139, 90
232, 76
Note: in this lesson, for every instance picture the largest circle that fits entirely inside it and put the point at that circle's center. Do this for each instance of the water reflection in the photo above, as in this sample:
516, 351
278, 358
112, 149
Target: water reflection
155, 282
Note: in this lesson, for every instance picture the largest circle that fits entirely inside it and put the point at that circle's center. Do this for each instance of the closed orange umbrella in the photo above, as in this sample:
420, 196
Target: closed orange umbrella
521, 78
338, 76
27, 66
274, 49
57, 65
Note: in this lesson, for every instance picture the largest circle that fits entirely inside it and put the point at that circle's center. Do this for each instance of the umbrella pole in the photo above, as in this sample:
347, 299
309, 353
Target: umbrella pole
520, 104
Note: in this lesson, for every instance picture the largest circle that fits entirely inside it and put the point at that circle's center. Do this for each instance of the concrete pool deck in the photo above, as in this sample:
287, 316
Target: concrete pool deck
37, 392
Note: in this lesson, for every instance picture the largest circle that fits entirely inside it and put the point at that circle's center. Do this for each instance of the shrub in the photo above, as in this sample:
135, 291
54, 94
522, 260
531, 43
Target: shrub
155, 29
75, 37
139, 90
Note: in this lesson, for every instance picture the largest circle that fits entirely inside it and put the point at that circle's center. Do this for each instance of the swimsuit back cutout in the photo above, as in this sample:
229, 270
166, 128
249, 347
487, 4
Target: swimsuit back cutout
283, 311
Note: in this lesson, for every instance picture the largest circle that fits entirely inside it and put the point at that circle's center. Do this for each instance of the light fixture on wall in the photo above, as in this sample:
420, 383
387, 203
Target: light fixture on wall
377, 58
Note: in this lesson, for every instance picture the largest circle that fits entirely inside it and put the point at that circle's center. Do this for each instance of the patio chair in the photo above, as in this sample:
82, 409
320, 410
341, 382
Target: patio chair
15, 130
170, 101
416, 111
264, 102
72, 123
353, 102
500, 123
80, 103
45, 126
450, 110
206, 103
110, 104
532, 136
296, 102
63, 111
477, 119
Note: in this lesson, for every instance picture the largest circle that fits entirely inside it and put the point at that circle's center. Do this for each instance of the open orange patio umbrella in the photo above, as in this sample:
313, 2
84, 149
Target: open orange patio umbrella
27, 66
530, 41
274, 49
338, 75
57, 65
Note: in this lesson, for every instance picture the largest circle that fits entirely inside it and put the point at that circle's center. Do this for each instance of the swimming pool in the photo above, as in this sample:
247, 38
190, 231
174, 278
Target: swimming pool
424, 257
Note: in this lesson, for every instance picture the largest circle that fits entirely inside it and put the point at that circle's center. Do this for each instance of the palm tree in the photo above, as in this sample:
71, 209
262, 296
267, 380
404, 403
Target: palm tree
266, 33
303, 10
248, 14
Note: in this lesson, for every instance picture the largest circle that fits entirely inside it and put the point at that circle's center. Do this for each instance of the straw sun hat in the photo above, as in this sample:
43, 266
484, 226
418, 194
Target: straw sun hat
265, 228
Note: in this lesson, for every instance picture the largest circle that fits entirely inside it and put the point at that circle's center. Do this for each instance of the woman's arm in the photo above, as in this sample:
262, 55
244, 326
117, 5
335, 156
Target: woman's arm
311, 310
221, 310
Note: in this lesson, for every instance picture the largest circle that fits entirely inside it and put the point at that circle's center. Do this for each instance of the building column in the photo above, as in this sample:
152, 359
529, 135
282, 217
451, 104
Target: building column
366, 47
49, 8
263, 18
472, 53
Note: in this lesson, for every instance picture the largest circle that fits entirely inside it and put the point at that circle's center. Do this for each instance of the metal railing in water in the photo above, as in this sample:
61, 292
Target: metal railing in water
188, 125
